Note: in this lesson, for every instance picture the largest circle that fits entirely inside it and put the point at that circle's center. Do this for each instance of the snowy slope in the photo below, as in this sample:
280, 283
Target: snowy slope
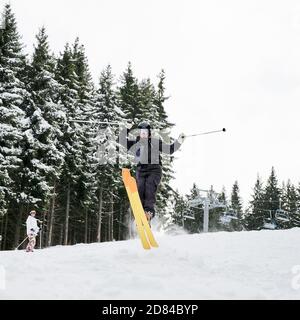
240, 265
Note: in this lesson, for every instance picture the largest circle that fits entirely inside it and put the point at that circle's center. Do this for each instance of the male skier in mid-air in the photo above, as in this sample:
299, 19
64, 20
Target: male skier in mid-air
147, 150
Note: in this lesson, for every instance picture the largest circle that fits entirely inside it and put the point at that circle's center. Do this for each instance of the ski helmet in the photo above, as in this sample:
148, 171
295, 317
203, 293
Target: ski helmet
144, 125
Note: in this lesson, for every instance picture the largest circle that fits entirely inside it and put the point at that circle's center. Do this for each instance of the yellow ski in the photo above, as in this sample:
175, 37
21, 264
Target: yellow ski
142, 224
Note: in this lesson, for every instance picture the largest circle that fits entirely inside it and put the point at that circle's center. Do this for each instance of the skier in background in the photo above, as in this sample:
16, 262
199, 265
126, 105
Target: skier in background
147, 152
32, 230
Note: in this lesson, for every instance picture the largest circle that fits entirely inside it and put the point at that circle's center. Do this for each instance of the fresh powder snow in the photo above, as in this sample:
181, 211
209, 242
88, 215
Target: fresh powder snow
222, 265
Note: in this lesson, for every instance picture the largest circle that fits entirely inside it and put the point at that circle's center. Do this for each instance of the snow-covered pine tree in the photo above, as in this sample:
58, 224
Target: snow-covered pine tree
254, 218
108, 177
13, 97
272, 194
44, 113
196, 224
72, 139
222, 196
159, 101
86, 185
236, 205
166, 193
106, 104
290, 204
129, 97
148, 109
180, 209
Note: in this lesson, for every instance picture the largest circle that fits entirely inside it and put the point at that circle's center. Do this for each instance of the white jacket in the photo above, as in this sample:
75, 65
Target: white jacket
31, 223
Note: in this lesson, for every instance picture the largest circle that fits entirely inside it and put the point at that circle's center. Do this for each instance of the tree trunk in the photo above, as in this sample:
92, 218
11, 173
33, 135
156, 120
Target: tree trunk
50, 223
2, 231
42, 230
108, 227
86, 226
99, 215
120, 223
67, 215
111, 219
61, 237
18, 227
4, 240
48, 218
90, 231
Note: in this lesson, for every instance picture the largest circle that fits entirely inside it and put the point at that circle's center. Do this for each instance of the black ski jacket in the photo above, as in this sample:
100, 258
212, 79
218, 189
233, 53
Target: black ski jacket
147, 151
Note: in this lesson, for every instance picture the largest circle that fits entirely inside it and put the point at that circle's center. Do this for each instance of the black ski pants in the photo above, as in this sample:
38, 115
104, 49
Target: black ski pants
148, 177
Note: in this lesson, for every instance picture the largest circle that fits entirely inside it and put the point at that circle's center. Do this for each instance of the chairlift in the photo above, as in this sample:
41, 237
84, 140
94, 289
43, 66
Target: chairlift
194, 203
269, 222
282, 215
225, 219
232, 214
189, 217
228, 215
189, 214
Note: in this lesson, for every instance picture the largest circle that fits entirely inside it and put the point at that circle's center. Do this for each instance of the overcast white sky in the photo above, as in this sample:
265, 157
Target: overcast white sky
233, 64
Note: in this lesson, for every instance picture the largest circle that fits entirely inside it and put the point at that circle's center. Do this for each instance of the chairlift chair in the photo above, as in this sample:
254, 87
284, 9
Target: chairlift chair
282, 215
189, 215
225, 219
228, 215
269, 222
232, 214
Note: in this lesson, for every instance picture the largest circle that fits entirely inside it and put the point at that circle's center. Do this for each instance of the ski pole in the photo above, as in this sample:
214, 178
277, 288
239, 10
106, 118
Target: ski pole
41, 235
203, 133
89, 121
21, 243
